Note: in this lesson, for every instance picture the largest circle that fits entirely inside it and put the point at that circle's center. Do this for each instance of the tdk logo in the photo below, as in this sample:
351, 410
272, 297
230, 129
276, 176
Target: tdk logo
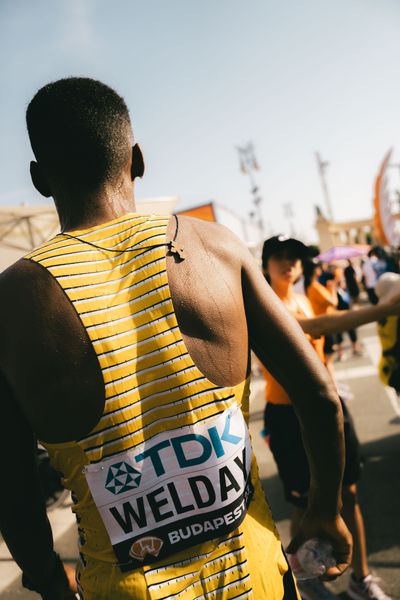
206, 446
122, 477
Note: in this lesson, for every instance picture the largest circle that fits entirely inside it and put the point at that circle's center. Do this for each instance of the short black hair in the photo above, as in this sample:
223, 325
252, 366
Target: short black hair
80, 131
310, 265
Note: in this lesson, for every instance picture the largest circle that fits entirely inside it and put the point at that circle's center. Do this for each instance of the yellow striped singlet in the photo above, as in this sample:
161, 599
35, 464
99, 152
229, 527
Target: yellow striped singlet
153, 390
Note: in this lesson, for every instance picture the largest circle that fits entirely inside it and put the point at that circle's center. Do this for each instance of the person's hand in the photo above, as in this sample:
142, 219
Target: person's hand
332, 530
59, 582
62, 589
70, 573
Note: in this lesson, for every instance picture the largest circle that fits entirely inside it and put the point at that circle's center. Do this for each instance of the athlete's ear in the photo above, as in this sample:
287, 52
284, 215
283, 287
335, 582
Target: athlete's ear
137, 168
39, 180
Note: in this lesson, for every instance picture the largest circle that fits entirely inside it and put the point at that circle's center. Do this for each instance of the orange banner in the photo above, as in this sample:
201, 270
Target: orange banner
204, 211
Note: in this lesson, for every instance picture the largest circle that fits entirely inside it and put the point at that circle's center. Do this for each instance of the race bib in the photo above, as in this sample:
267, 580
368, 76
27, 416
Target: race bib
179, 489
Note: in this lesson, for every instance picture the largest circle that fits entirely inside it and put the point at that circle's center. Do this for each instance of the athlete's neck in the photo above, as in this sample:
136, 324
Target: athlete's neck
96, 210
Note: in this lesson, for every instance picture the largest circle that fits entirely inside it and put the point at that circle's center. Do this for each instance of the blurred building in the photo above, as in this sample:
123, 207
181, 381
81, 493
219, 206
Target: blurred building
383, 228
333, 233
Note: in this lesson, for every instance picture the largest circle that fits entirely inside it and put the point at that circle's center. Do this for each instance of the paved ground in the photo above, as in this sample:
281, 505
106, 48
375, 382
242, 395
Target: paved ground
377, 419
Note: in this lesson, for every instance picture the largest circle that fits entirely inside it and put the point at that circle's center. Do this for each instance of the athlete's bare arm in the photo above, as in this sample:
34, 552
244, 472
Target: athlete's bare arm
23, 520
206, 291
222, 286
46, 355
47, 367
20, 484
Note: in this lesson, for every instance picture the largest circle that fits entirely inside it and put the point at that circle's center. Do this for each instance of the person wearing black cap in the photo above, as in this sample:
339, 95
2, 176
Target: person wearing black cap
282, 266
283, 244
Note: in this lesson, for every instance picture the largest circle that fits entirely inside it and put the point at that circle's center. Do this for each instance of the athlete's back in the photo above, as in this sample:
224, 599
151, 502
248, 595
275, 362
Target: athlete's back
41, 320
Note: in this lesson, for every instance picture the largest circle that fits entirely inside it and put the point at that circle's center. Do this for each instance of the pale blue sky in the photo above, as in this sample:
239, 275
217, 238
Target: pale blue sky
200, 77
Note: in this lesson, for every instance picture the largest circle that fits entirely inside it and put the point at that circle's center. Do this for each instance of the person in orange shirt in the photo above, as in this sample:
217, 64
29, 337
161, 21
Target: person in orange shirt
282, 266
324, 300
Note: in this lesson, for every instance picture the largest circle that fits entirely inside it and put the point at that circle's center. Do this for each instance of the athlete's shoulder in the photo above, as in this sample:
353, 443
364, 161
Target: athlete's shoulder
20, 272
215, 237
23, 284
205, 227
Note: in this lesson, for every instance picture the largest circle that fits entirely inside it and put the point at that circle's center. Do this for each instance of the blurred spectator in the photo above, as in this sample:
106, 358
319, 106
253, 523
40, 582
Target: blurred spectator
389, 335
352, 286
380, 264
370, 276
344, 303
323, 299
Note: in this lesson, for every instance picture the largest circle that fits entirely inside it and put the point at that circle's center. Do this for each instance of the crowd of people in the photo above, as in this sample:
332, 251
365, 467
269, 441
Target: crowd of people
316, 294
125, 351
338, 285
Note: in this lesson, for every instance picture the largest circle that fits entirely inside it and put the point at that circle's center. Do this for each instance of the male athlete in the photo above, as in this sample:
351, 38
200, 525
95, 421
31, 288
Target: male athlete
125, 351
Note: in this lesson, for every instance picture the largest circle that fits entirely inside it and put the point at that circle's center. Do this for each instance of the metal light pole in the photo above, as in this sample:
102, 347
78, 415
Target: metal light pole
322, 166
248, 166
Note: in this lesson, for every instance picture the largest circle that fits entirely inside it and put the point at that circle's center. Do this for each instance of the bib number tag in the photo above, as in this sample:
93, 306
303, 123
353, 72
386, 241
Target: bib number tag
179, 489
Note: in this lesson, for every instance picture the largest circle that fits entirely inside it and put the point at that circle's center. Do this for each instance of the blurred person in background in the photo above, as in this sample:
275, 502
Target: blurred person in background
352, 282
324, 300
282, 265
370, 276
389, 335
381, 263
344, 303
